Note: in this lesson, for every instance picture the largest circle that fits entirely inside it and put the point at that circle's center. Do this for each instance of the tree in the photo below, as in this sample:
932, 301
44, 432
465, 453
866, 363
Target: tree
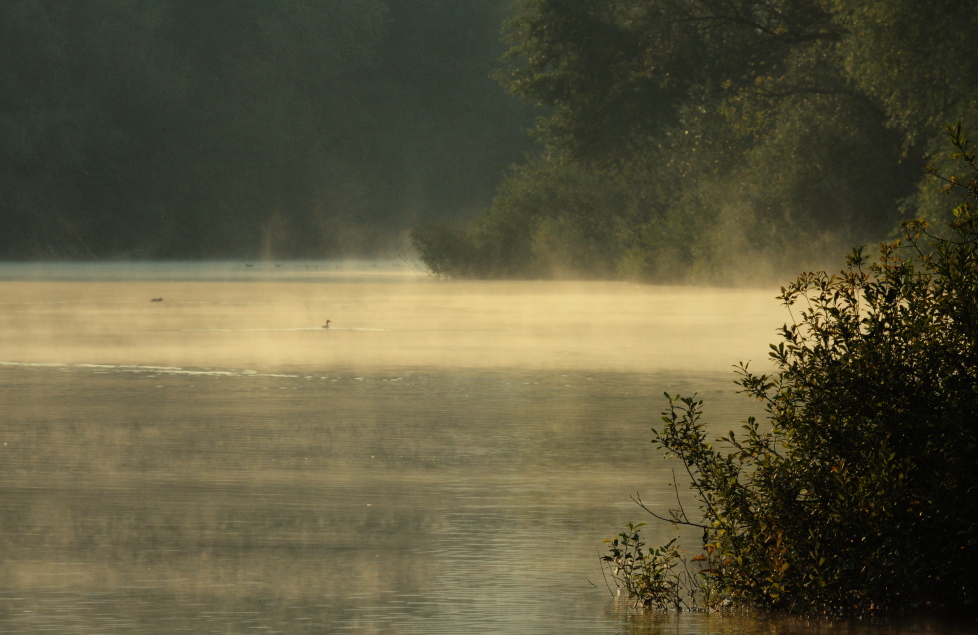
734, 130
275, 128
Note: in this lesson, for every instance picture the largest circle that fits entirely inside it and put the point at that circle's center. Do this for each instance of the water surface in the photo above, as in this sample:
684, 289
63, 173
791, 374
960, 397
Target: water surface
446, 458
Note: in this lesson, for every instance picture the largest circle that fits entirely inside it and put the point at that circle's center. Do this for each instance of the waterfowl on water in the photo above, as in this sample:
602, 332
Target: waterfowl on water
326, 326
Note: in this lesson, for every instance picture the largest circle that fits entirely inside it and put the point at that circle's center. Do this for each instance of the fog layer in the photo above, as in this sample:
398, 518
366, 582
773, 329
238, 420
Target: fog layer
396, 320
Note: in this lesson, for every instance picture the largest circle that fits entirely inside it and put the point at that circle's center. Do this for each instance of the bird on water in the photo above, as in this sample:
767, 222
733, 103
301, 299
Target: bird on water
326, 326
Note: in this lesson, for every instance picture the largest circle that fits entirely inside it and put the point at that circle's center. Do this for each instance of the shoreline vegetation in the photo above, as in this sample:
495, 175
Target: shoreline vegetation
715, 141
855, 497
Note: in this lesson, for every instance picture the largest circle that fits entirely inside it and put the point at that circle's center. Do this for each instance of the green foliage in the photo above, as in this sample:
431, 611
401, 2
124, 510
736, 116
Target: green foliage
548, 220
856, 495
650, 576
916, 58
447, 249
735, 132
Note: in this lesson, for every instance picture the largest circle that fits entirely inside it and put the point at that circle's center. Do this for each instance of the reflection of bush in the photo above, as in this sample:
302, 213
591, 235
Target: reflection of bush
858, 496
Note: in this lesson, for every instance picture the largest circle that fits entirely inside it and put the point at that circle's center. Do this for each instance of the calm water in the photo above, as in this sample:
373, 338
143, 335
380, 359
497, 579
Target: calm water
446, 458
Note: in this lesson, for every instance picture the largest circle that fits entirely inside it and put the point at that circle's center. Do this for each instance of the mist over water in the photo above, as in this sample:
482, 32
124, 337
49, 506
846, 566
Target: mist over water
270, 317
445, 458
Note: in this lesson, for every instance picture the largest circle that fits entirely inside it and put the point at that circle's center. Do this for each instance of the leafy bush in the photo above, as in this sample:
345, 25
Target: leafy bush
446, 249
858, 494
651, 574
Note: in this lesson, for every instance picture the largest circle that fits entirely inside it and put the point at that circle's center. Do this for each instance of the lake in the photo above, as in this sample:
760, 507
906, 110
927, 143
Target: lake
445, 458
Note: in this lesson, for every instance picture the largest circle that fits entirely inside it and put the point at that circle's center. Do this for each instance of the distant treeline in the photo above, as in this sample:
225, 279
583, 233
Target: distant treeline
245, 128
702, 139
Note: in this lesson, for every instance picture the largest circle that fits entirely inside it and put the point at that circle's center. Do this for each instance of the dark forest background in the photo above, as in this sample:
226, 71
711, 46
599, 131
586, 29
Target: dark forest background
719, 140
246, 128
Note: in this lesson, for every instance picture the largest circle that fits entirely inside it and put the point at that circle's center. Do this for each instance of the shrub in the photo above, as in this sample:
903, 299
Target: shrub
858, 495
447, 249
547, 220
658, 578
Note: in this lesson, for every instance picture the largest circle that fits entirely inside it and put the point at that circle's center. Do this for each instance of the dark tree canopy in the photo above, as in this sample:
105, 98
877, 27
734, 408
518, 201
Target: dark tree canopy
615, 72
241, 128
707, 137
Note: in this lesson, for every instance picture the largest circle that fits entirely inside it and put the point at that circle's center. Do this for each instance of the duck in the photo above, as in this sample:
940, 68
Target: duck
326, 326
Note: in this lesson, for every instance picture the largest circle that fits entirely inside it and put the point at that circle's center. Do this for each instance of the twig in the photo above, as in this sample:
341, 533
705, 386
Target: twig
601, 563
673, 520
